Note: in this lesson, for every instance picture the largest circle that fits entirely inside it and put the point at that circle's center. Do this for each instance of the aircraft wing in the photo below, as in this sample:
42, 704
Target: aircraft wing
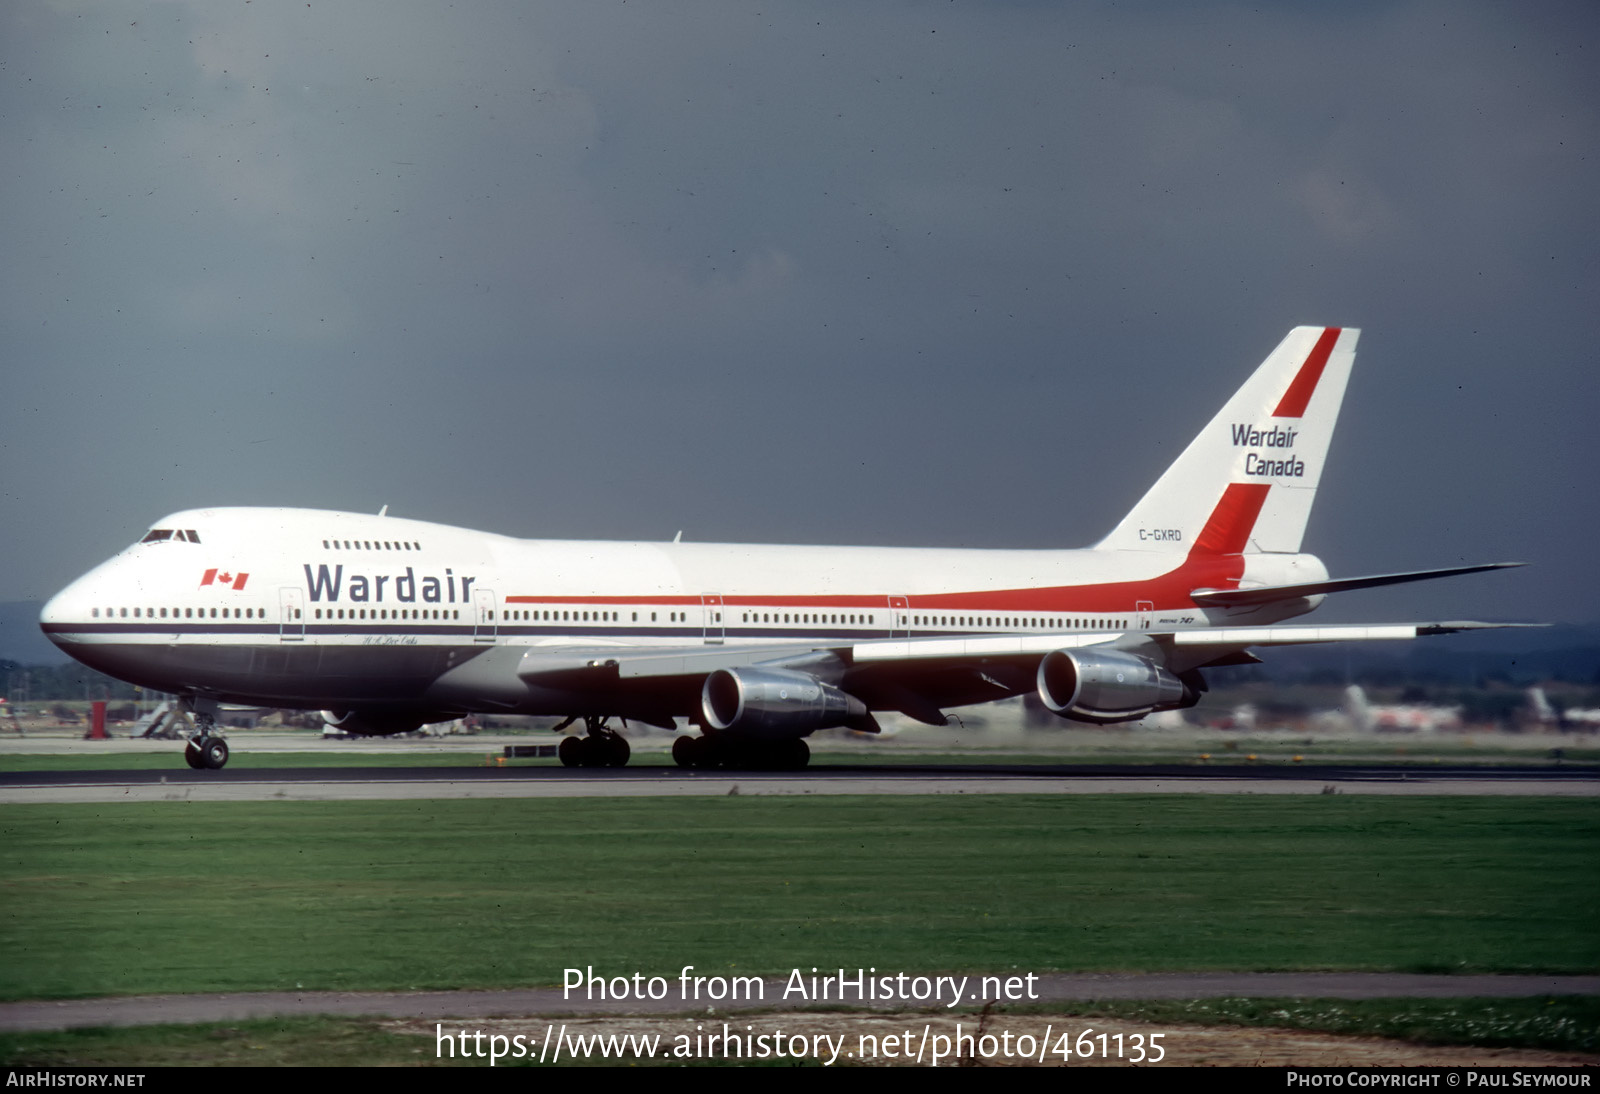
915, 676
1214, 637
601, 665
919, 676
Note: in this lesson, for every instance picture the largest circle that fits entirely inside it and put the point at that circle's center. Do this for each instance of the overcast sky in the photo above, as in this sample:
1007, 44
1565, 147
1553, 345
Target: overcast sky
900, 273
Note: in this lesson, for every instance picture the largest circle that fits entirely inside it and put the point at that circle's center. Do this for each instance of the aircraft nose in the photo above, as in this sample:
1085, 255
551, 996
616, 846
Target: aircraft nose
54, 615
58, 613
68, 608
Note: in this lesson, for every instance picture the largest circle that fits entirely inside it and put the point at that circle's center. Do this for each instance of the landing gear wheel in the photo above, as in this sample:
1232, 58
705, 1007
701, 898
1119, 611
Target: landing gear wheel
214, 754
599, 747
192, 757
714, 753
794, 755
686, 751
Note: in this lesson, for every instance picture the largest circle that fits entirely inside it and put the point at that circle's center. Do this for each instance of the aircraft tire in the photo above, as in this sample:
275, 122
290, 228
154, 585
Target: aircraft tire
215, 754
617, 752
572, 752
192, 757
715, 753
594, 752
797, 754
686, 752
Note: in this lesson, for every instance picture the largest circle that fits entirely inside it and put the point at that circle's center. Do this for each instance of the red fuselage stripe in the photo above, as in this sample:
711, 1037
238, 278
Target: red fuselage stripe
1214, 562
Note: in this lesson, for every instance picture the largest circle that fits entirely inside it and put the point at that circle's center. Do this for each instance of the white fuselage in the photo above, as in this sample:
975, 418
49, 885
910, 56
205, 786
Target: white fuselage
315, 609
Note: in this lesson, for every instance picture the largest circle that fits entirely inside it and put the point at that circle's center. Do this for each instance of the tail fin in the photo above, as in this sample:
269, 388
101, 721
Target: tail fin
1246, 483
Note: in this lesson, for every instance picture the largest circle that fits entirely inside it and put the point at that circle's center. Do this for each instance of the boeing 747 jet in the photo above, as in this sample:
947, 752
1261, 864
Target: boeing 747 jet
387, 624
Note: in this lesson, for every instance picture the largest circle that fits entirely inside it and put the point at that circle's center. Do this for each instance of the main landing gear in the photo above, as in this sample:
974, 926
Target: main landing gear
205, 750
599, 747
719, 751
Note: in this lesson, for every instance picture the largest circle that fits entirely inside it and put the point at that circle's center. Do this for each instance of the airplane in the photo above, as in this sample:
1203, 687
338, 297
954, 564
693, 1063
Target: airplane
387, 624
1371, 717
1540, 712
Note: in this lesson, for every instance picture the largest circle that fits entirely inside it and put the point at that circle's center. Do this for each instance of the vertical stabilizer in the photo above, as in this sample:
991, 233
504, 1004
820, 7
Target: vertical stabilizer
1246, 483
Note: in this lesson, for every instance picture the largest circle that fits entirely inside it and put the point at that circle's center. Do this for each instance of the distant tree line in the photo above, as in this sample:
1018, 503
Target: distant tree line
48, 683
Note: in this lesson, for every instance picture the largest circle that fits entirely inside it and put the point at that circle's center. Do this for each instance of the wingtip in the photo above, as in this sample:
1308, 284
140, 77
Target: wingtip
1455, 626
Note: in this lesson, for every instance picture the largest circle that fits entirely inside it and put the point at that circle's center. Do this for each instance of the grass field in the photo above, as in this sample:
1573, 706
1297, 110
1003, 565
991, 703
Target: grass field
113, 899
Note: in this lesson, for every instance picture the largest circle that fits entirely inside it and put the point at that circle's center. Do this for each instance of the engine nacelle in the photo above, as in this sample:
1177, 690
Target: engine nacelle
1104, 686
774, 703
369, 723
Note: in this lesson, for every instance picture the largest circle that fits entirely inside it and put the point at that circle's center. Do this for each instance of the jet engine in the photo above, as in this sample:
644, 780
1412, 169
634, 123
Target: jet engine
775, 703
1104, 686
375, 723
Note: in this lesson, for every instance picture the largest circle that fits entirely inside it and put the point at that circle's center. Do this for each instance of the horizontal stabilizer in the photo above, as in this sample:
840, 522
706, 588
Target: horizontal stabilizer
1230, 598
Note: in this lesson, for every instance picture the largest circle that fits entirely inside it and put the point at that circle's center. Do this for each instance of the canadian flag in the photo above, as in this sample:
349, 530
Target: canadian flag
212, 577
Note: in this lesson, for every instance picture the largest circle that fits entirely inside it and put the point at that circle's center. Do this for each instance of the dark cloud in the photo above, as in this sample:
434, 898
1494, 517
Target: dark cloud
894, 273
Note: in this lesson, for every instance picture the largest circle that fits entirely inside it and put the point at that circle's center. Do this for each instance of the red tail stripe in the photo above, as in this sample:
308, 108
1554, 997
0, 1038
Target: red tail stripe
1293, 403
1228, 530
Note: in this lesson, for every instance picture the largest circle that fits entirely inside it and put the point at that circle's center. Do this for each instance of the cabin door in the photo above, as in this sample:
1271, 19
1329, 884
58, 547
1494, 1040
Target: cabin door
899, 617
291, 615
711, 612
485, 626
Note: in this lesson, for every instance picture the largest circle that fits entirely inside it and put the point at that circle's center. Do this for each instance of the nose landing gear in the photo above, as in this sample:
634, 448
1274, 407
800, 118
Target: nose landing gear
206, 749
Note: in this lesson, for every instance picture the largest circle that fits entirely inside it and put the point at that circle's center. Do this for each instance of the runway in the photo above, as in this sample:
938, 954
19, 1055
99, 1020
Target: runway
416, 783
1064, 988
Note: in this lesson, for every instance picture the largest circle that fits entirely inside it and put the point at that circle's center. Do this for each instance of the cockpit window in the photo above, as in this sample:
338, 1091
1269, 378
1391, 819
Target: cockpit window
193, 536
161, 535
157, 535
